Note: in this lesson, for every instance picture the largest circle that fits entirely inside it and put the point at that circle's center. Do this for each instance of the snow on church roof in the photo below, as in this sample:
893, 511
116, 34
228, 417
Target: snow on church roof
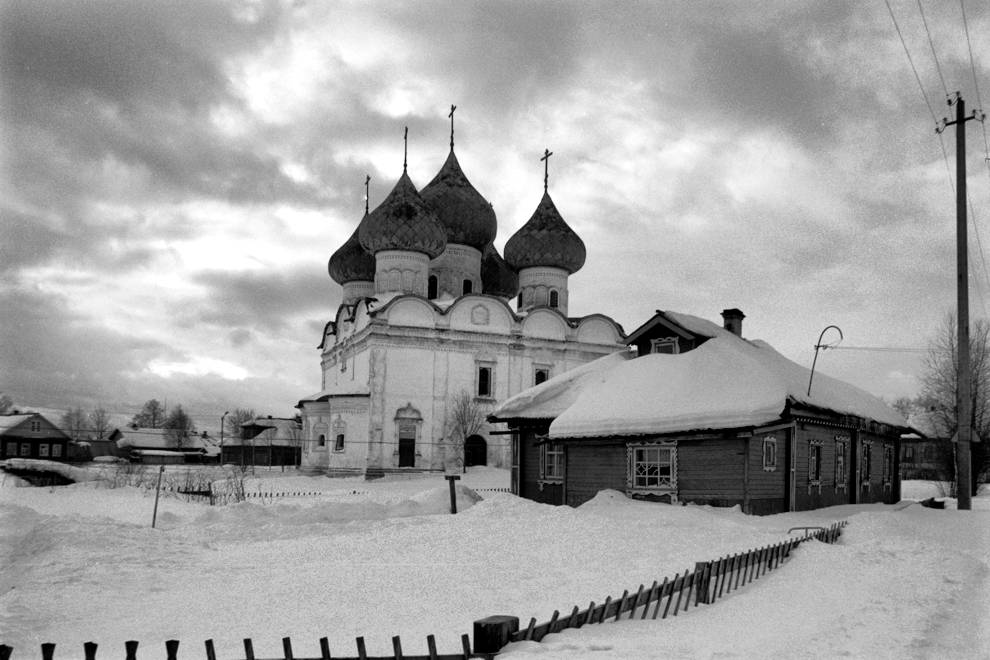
727, 382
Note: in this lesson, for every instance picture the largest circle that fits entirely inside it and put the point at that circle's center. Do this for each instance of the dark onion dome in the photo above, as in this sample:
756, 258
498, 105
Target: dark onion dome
545, 240
403, 222
497, 277
351, 263
466, 216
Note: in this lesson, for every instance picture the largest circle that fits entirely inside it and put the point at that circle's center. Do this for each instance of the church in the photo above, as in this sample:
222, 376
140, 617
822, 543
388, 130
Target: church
433, 321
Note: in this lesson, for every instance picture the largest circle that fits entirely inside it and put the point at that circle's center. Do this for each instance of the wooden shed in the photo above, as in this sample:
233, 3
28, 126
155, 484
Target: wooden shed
695, 413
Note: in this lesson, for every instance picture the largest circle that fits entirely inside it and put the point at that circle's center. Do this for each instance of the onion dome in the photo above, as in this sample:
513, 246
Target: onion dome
545, 240
497, 277
403, 222
351, 263
466, 216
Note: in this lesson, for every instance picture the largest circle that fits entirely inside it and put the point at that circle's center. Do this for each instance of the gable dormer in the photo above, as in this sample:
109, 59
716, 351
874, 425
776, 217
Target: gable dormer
662, 334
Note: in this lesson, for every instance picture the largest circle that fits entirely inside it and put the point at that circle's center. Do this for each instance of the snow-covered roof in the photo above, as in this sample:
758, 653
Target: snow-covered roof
555, 395
8, 422
346, 389
161, 439
727, 382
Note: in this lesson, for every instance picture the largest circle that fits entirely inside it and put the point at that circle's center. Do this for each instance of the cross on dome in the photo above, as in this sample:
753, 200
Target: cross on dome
546, 168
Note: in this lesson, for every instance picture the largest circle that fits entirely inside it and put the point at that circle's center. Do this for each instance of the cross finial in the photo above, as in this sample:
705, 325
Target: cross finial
451, 115
546, 168
367, 195
405, 148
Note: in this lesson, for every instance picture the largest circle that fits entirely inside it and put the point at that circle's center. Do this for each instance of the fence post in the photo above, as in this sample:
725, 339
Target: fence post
494, 632
703, 569
324, 648
89, 650
5, 651
47, 651
248, 649
287, 648
211, 653
130, 648
451, 478
172, 649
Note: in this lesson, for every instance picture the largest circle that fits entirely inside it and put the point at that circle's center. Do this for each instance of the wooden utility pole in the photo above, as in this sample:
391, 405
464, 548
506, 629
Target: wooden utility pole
964, 385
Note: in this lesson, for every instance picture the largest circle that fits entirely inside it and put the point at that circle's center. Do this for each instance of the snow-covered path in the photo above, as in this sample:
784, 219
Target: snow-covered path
80, 563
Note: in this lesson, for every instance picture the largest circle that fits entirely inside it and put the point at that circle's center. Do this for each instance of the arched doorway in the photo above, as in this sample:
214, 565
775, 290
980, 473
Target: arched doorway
475, 451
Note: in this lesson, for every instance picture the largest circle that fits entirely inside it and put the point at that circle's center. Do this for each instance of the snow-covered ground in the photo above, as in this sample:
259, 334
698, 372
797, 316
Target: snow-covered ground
81, 563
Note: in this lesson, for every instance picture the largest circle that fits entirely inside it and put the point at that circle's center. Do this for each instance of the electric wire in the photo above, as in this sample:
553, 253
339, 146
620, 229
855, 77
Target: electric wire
931, 44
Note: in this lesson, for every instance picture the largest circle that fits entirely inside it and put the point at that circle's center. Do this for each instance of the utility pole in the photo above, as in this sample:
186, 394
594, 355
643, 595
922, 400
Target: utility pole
964, 386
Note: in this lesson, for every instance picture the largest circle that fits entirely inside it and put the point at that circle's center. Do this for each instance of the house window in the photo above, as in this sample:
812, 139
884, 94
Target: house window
322, 441
551, 462
541, 375
909, 453
10, 449
56, 451
467, 287
25, 449
431, 287
652, 467
841, 443
665, 345
769, 454
43, 450
338, 443
485, 384
815, 463
35, 426
554, 298
867, 463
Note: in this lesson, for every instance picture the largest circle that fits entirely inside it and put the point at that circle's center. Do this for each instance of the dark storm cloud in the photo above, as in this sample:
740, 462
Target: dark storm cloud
51, 355
265, 300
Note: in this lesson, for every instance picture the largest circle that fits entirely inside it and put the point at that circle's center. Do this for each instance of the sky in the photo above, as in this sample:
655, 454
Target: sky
174, 176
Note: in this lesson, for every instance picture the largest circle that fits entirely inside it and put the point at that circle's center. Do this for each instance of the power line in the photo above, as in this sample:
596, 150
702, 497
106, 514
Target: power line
879, 349
931, 44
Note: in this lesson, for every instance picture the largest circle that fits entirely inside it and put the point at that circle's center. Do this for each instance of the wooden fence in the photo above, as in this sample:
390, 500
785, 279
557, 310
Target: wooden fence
708, 582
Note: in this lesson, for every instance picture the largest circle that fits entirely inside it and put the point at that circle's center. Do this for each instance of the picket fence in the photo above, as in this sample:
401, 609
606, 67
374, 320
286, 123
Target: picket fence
708, 582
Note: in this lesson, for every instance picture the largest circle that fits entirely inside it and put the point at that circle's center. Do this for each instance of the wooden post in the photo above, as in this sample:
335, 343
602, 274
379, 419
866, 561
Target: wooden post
466, 645
431, 646
529, 630
397, 647
362, 651
89, 650
635, 603
5, 651
453, 491
324, 648
494, 632
703, 569
591, 614
211, 653
286, 643
158, 488
131, 647
248, 649
656, 610
172, 648
47, 651
551, 627
622, 604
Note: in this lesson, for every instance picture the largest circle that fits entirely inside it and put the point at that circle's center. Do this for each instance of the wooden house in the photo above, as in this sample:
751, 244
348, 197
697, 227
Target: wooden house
693, 412
268, 441
161, 447
31, 435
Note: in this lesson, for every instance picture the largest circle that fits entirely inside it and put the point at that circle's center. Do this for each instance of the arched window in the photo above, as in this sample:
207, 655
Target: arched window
431, 287
554, 298
322, 442
338, 444
467, 287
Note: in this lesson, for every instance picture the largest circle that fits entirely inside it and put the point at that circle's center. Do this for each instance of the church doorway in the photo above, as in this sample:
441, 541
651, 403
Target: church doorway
407, 445
475, 451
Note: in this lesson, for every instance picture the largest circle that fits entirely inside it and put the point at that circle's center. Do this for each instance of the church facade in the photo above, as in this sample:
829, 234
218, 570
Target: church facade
435, 325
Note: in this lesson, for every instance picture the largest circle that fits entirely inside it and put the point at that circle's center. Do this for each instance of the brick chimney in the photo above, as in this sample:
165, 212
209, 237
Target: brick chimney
732, 320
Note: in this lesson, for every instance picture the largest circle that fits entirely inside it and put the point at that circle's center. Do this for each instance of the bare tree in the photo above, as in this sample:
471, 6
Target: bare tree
152, 415
74, 423
99, 422
180, 426
234, 420
465, 417
939, 389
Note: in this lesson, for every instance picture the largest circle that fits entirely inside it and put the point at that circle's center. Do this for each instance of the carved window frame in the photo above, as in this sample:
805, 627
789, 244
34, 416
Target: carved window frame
642, 458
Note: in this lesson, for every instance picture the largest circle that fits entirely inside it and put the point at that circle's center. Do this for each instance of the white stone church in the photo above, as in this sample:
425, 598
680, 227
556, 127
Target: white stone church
427, 317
